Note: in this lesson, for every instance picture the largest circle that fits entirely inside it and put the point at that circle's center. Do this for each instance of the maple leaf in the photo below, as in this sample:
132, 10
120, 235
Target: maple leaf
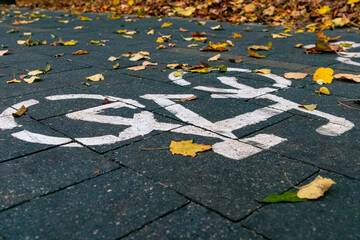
188, 148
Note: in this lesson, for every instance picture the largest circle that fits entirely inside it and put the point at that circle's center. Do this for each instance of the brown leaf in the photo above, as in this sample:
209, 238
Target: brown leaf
20, 111
80, 52
186, 99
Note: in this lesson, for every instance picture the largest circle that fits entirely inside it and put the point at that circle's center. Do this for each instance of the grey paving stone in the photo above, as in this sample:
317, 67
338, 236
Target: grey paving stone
193, 222
225, 185
333, 216
14, 129
304, 143
116, 204
28, 177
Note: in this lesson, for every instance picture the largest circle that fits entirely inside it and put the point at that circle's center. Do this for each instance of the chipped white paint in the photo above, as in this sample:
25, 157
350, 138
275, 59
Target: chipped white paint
178, 80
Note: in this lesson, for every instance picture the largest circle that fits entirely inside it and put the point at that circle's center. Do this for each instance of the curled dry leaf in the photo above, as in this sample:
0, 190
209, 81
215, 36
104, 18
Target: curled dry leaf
13, 81
188, 148
230, 43
323, 90
198, 34
137, 68
171, 44
167, 24
316, 188
237, 35
186, 99
112, 58
262, 71
255, 54
352, 77
35, 72
237, 60
295, 75
299, 45
257, 47
116, 66
183, 30
215, 58
32, 79
80, 52
150, 32
4, 52
147, 63
161, 47
310, 107
325, 38
96, 77
20, 111
139, 56
217, 27
219, 47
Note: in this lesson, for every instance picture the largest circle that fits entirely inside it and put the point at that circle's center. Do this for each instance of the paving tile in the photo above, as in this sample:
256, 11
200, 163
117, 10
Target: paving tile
28, 177
317, 219
306, 142
223, 184
116, 204
193, 222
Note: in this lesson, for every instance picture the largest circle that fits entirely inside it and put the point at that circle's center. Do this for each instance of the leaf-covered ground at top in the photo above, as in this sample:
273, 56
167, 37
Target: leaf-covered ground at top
326, 14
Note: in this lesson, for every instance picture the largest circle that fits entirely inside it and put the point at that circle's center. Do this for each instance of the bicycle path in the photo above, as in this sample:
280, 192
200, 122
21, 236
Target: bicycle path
74, 165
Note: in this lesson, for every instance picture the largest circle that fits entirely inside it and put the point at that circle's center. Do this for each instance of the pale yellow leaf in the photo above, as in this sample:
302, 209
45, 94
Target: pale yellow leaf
13, 81
217, 27
295, 75
35, 72
147, 63
323, 90
316, 188
96, 77
31, 79
137, 68
262, 71
310, 107
215, 58
352, 77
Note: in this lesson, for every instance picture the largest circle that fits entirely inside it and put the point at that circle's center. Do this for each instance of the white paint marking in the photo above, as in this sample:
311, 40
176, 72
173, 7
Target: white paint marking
40, 138
347, 61
178, 80
72, 145
264, 141
7, 121
235, 150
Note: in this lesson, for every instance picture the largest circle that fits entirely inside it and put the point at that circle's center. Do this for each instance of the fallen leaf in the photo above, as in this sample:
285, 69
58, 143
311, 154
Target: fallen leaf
161, 47
27, 33
262, 71
167, 24
96, 77
20, 111
188, 148
178, 73
284, 197
198, 34
323, 10
323, 90
21, 42
249, 8
172, 66
239, 59
237, 35
13, 81
217, 27
59, 55
219, 47
64, 21
35, 72
151, 32
186, 12
31, 79
200, 39
137, 68
112, 58
258, 47
325, 38
70, 43
352, 1
116, 66
193, 45
340, 22
84, 18
139, 56
22, 76
215, 58
186, 99
310, 107
201, 22
80, 52
295, 75
183, 30
4, 52
299, 45
230, 43
94, 42
316, 188
171, 44
188, 38
325, 74
352, 77
147, 63
78, 27
255, 54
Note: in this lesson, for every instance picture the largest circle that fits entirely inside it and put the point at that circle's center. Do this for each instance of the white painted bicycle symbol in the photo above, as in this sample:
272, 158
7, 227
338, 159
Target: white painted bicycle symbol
144, 122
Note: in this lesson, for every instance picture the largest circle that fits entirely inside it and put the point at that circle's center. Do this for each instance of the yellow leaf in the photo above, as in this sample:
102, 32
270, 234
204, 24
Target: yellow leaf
96, 77
217, 27
151, 32
167, 24
237, 35
160, 40
310, 107
20, 111
249, 8
84, 18
311, 27
35, 72
353, 1
299, 45
352, 77
214, 58
255, 54
262, 71
161, 47
116, 66
188, 38
193, 45
112, 58
94, 42
116, 2
295, 75
130, 2
70, 43
136, 68
201, 70
13, 81
316, 188
323, 90
112, 17
31, 79
299, 31
200, 39
339, 22
257, 47
188, 148
325, 74
185, 11
139, 56
172, 66
217, 46
80, 52
323, 10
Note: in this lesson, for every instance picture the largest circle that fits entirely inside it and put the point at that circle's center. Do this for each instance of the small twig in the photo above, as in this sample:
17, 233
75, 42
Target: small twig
287, 179
343, 104
149, 149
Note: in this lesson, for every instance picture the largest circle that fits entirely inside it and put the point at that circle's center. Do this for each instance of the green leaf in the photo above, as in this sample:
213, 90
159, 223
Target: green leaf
284, 197
178, 74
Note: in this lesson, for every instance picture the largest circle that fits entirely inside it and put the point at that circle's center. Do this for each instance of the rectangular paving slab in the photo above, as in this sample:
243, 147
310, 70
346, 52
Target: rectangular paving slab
106, 207
31, 176
193, 222
333, 216
227, 180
